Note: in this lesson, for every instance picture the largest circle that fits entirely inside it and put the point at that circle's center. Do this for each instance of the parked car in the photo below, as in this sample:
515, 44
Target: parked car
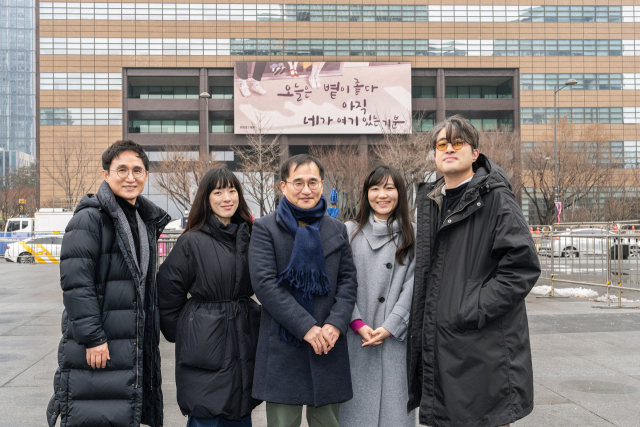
581, 241
37, 249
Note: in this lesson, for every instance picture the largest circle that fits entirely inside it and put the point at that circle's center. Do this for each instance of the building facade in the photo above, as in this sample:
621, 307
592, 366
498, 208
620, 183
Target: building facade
17, 85
110, 70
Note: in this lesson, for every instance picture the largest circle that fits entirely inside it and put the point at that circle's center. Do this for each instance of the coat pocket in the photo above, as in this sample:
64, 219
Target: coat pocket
203, 343
469, 312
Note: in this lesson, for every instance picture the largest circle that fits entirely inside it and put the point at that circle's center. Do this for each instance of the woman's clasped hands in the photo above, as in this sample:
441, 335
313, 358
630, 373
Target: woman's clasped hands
372, 337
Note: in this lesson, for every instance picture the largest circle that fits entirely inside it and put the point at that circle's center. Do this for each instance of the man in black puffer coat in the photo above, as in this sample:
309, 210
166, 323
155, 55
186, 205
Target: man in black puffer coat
468, 354
108, 359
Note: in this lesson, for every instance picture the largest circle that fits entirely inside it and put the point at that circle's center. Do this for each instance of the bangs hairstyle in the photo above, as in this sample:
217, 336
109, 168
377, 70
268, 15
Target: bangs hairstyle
201, 208
457, 127
380, 176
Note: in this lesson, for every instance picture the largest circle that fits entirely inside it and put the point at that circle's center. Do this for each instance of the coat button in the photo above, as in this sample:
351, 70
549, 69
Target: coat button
381, 299
389, 265
479, 203
449, 221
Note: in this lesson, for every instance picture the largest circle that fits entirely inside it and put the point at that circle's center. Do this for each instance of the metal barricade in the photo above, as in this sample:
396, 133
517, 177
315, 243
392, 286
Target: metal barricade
603, 254
165, 244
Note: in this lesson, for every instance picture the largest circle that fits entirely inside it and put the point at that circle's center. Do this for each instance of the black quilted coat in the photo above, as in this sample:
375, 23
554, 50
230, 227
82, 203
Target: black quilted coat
105, 302
216, 330
468, 353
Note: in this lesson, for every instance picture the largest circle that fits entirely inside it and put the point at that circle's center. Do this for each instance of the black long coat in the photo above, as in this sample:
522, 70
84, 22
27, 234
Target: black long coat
105, 302
216, 330
468, 355
296, 375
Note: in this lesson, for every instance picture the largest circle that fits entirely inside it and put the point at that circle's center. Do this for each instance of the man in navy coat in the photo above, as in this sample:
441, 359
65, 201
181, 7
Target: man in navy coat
303, 275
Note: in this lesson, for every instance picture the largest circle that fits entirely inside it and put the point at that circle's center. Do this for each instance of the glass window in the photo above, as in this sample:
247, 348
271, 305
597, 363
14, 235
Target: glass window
193, 126
489, 92
155, 126
451, 92
181, 126
168, 126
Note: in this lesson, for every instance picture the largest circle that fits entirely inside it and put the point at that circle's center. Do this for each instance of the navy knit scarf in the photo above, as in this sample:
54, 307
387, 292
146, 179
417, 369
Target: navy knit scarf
305, 276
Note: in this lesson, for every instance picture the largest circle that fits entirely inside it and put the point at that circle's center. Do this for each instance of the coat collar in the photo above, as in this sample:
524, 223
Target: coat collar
148, 211
377, 234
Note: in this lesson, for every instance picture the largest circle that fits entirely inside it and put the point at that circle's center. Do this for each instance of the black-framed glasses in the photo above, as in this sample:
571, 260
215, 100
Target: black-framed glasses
299, 185
137, 172
456, 144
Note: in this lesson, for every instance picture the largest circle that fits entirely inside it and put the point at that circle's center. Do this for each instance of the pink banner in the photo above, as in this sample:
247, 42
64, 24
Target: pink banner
322, 97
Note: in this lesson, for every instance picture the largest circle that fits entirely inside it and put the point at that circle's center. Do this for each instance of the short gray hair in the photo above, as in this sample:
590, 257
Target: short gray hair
456, 126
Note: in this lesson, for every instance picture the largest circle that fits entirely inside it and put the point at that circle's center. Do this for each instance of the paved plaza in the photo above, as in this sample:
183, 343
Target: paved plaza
586, 360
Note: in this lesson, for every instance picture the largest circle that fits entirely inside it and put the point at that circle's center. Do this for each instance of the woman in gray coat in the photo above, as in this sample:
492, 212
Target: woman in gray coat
382, 241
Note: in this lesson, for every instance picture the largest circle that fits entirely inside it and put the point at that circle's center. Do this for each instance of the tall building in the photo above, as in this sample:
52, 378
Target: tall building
17, 85
110, 70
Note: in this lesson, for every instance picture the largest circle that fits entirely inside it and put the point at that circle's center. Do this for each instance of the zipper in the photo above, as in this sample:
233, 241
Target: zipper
137, 338
153, 306
155, 294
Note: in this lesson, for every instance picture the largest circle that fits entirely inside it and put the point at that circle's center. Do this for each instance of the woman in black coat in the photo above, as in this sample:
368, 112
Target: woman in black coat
216, 330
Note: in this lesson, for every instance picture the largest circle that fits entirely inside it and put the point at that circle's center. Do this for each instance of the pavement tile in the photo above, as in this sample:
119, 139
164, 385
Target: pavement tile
586, 360
614, 399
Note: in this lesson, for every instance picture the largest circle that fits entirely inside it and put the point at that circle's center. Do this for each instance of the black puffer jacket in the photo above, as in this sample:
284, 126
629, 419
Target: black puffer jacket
468, 354
216, 330
105, 302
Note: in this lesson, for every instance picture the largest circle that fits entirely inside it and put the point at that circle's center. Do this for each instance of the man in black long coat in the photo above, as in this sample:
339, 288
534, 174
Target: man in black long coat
108, 359
468, 355
303, 275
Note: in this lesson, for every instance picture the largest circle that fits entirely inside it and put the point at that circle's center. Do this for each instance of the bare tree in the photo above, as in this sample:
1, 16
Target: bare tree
583, 169
72, 165
619, 200
259, 163
178, 172
503, 148
346, 171
409, 153
16, 185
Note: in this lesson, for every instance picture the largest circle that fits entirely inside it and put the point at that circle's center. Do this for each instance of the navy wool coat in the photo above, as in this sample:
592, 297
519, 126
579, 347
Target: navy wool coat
285, 373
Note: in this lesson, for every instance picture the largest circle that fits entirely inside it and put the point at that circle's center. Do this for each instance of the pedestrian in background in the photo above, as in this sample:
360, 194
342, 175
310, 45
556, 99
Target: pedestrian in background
382, 240
108, 359
469, 358
304, 277
216, 330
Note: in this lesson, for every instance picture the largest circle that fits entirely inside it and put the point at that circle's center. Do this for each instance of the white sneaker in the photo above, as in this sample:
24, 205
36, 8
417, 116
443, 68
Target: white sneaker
258, 89
313, 83
244, 89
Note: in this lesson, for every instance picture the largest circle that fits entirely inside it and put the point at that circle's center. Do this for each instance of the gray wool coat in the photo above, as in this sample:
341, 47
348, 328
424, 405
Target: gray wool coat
285, 373
379, 374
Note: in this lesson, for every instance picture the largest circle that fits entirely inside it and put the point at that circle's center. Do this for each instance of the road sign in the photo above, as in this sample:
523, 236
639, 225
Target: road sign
22, 208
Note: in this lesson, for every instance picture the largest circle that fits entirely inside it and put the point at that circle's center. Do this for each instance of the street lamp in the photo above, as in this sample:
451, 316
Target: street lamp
556, 190
206, 96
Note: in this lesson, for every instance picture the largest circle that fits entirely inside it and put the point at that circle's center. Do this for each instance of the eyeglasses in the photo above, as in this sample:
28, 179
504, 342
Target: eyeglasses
456, 144
137, 172
299, 185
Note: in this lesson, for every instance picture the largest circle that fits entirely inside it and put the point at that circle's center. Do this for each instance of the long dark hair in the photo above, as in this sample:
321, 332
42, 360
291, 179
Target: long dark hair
380, 176
201, 208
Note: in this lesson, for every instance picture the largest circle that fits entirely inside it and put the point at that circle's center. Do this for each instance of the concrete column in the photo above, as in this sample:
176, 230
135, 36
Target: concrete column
441, 106
284, 148
363, 147
516, 101
125, 104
